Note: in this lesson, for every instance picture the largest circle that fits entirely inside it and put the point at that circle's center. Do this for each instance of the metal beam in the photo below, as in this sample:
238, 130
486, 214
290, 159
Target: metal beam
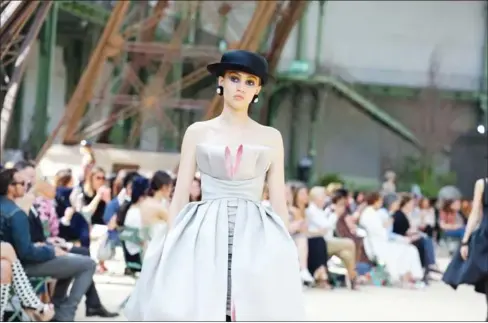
76, 106
20, 66
8, 13
158, 81
292, 13
10, 33
127, 99
147, 33
173, 51
183, 104
47, 49
377, 113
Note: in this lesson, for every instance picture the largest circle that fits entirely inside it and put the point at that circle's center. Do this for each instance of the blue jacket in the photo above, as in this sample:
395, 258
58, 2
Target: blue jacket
111, 210
14, 229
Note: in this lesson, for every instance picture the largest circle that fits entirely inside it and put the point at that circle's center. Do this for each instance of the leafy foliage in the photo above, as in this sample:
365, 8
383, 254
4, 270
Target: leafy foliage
328, 178
414, 170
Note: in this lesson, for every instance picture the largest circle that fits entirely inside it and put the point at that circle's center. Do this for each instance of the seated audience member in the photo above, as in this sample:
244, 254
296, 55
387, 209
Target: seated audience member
13, 275
42, 260
27, 172
129, 216
91, 196
114, 205
450, 221
196, 189
154, 209
424, 244
72, 227
346, 227
401, 226
317, 247
39, 220
426, 215
297, 227
401, 260
326, 220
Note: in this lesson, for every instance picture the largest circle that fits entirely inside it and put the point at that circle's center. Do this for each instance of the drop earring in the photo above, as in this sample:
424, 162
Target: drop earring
220, 90
255, 99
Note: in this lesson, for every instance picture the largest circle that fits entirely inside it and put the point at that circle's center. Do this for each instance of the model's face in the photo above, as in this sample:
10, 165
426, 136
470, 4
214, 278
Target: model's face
239, 89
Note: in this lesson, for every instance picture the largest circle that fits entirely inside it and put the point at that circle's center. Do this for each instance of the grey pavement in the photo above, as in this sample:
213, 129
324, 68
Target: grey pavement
437, 302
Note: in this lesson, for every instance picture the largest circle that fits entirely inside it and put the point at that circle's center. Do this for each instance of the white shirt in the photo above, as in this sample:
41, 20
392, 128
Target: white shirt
319, 219
133, 220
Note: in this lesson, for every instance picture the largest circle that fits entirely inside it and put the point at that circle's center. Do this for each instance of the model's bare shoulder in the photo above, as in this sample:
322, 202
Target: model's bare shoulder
272, 136
196, 130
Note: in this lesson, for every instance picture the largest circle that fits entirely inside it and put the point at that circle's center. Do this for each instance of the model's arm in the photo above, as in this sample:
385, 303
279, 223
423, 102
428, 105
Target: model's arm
276, 177
186, 172
476, 212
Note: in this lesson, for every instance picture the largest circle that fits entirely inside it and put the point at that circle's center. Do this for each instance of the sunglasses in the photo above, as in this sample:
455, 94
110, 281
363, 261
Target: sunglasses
22, 183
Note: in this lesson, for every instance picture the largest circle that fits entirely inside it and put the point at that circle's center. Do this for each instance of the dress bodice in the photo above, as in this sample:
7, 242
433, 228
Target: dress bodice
228, 172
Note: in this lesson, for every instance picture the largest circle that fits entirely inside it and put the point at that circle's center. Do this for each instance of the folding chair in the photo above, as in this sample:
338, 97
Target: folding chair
39, 285
132, 235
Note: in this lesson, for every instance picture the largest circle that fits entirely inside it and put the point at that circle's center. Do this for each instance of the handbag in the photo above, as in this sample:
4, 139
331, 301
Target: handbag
106, 250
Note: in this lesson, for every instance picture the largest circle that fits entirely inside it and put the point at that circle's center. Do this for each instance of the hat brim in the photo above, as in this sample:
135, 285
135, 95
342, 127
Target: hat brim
219, 69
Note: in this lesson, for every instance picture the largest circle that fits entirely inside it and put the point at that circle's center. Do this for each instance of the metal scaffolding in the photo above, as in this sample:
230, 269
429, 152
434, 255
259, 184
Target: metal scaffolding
21, 22
150, 71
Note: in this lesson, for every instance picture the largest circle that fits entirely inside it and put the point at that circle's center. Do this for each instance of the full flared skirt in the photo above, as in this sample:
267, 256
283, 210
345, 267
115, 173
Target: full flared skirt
184, 276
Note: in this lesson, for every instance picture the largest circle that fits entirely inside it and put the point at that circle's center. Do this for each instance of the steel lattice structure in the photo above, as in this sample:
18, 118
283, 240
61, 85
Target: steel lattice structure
21, 22
131, 41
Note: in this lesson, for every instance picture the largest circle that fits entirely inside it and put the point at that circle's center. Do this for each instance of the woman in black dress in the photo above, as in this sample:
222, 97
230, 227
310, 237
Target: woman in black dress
401, 226
470, 264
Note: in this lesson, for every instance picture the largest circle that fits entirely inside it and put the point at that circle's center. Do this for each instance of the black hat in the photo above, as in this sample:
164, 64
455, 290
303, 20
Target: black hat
241, 60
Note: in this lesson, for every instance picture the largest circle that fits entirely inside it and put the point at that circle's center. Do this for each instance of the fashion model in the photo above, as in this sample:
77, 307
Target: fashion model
470, 264
226, 256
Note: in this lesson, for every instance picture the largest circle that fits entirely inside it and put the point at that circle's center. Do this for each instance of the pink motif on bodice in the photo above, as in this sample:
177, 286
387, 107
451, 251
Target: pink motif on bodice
231, 167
